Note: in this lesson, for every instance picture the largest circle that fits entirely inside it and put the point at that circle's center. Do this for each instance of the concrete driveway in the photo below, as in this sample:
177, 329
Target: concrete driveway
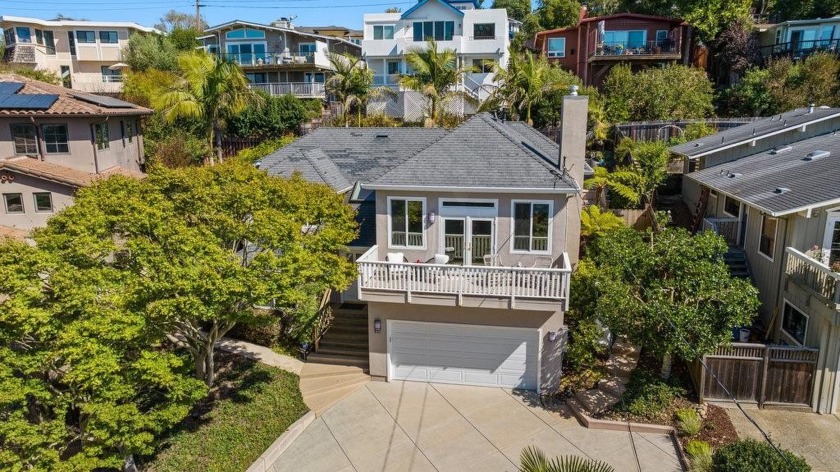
809, 435
412, 426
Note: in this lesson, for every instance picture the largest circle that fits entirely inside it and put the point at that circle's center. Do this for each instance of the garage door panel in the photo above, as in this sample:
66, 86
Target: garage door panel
464, 354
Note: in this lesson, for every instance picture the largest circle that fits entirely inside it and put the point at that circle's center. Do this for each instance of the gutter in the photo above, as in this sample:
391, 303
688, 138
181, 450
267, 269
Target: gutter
424, 188
38, 138
93, 142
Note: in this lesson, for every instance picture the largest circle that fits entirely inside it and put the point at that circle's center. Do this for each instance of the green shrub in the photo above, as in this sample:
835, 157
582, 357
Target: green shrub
265, 331
689, 422
276, 116
265, 148
700, 453
749, 455
648, 396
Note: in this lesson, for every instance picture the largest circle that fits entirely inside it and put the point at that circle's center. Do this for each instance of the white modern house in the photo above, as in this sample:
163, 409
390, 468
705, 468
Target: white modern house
87, 55
480, 37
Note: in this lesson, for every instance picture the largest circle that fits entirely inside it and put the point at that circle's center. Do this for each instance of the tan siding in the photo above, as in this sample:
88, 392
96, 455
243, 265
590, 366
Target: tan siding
766, 273
62, 196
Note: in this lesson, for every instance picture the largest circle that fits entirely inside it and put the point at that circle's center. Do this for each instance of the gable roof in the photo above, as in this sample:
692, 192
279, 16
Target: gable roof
359, 154
58, 173
590, 19
759, 129
423, 2
483, 154
803, 184
69, 102
275, 28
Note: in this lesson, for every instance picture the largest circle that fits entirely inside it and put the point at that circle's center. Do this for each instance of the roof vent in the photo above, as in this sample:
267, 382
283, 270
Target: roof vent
781, 190
732, 175
780, 150
698, 144
816, 155
811, 108
382, 136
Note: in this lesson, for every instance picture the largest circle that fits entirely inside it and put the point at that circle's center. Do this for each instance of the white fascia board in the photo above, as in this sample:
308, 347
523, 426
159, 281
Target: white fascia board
425, 188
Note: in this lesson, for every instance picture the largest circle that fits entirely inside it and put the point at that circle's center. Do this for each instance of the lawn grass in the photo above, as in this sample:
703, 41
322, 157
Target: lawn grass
250, 407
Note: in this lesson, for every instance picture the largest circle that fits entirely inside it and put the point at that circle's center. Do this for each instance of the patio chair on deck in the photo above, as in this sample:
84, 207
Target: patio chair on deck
492, 260
542, 262
396, 257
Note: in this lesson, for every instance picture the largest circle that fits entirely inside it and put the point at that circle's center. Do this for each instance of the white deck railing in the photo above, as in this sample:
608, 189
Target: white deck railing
479, 281
298, 89
813, 275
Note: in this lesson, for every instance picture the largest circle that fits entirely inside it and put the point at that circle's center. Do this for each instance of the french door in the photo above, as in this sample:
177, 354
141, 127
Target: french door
466, 240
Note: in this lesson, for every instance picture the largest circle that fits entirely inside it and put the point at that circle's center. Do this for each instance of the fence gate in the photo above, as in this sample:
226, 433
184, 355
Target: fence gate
758, 373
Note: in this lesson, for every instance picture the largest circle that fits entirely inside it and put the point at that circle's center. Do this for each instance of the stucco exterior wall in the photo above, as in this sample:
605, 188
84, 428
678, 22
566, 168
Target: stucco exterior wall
560, 234
83, 154
551, 355
62, 196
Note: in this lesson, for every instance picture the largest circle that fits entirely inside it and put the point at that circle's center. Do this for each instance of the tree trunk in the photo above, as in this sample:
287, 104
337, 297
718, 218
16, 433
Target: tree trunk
128, 464
528, 116
210, 365
667, 362
209, 158
201, 364
217, 131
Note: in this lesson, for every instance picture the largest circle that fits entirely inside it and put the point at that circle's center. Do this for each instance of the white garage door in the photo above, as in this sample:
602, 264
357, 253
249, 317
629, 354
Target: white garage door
463, 354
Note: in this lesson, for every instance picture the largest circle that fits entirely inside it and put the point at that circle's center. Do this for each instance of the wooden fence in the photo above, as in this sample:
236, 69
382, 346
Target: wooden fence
757, 373
232, 146
666, 130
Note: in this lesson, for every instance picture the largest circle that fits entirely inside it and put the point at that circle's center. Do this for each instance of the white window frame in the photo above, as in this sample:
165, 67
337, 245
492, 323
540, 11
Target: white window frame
775, 237
384, 38
35, 202
782, 324
6, 204
513, 203
740, 207
832, 217
550, 53
102, 43
407, 199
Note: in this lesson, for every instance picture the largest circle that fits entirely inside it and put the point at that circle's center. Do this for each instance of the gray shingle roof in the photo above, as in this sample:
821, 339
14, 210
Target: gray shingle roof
482, 153
756, 129
754, 179
358, 154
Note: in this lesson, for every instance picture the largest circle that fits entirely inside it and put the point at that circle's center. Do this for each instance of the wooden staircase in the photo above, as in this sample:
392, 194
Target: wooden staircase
738, 264
346, 340
700, 210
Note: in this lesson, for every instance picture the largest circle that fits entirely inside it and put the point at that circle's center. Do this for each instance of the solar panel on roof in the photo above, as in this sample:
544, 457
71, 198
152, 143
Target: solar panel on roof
9, 88
27, 102
107, 102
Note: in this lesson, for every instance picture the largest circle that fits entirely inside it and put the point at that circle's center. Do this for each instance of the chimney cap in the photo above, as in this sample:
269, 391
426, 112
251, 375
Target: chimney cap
573, 90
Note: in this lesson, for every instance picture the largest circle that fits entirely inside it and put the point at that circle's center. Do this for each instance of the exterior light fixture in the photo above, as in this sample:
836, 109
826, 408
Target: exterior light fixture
552, 336
432, 217
377, 325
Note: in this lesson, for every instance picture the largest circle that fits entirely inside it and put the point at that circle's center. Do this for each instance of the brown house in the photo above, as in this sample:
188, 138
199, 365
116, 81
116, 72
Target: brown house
596, 44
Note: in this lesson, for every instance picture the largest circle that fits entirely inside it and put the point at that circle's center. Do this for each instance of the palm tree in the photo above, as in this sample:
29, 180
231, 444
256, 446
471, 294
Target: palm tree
533, 460
526, 80
211, 91
436, 75
352, 84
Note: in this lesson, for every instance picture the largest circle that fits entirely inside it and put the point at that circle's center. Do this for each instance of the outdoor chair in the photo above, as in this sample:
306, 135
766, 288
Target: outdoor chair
492, 260
542, 262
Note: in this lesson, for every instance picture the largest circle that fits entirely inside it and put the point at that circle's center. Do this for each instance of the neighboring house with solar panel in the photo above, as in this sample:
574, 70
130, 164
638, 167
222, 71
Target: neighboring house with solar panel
87, 55
279, 58
466, 244
772, 189
53, 141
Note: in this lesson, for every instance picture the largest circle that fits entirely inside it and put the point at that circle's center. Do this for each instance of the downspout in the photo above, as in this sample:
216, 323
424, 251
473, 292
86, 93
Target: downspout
583, 57
93, 141
39, 139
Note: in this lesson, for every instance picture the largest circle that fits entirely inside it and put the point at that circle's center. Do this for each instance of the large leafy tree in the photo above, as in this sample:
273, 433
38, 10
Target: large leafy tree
211, 91
278, 116
150, 51
670, 93
201, 246
84, 381
558, 13
516, 9
804, 9
669, 292
435, 74
708, 17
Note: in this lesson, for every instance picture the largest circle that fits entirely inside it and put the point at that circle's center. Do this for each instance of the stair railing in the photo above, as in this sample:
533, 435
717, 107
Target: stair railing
322, 323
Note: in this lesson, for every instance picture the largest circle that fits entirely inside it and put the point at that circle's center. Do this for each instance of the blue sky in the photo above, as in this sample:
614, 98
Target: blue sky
147, 12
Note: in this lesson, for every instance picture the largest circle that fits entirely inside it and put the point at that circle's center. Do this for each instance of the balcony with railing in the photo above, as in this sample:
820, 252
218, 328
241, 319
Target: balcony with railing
391, 80
271, 59
801, 49
725, 227
96, 83
633, 50
487, 286
298, 89
813, 276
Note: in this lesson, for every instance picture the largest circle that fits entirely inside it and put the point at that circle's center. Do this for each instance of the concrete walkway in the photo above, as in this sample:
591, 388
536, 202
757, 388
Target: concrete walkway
262, 354
412, 426
809, 435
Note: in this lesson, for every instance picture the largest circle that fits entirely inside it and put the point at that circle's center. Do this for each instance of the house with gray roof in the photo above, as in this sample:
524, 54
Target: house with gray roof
780, 205
466, 245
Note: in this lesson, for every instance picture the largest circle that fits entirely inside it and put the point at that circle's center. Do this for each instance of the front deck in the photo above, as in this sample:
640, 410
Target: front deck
463, 285
815, 277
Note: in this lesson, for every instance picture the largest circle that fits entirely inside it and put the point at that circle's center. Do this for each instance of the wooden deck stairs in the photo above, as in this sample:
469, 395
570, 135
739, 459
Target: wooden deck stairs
700, 210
